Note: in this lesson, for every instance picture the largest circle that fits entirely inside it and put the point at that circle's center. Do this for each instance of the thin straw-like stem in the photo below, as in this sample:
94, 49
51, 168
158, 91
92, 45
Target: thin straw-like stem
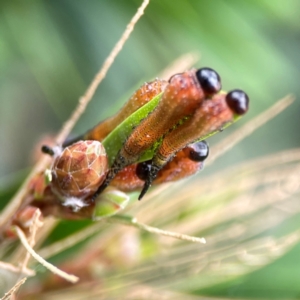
86, 98
87, 232
36, 223
70, 240
134, 223
53, 269
13, 290
18, 199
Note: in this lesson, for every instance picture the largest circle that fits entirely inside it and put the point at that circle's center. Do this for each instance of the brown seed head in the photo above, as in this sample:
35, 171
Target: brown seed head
79, 169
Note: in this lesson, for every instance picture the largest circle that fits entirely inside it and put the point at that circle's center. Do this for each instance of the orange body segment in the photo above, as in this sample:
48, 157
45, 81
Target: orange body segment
180, 99
180, 167
142, 96
212, 115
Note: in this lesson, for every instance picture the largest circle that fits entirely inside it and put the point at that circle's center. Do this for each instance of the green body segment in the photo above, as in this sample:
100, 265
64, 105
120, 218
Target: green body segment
116, 139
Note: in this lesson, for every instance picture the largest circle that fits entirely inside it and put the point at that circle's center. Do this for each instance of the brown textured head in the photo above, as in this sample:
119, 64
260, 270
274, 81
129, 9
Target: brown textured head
79, 169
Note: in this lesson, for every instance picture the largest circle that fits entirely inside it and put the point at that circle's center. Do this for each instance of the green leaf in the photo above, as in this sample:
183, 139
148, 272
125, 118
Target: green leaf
115, 140
109, 203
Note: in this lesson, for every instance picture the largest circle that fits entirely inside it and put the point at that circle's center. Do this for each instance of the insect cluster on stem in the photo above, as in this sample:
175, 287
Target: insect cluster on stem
190, 107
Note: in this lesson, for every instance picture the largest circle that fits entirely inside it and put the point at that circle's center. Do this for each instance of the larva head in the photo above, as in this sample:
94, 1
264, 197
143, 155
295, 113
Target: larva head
198, 151
238, 101
209, 81
143, 169
79, 170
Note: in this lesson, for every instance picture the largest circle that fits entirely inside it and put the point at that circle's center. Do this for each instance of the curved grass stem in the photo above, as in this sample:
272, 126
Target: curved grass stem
134, 223
52, 268
19, 198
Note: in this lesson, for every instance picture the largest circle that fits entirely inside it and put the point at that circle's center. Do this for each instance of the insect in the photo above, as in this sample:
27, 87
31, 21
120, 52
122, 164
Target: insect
141, 96
211, 116
180, 99
190, 107
185, 163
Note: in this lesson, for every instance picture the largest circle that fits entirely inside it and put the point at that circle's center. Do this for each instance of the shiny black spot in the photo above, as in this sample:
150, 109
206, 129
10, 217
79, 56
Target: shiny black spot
47, 150
238, 101
143, 169
199, 151
209, 80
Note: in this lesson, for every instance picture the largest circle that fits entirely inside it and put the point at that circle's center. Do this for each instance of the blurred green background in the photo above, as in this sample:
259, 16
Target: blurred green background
50, 51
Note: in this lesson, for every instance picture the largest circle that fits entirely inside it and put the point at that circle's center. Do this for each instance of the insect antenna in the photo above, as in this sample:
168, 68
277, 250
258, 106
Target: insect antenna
47, 150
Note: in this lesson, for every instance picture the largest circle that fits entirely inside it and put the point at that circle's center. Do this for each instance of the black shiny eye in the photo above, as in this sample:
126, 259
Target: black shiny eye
238, 101
209, 80
47, 150
143, 169
199, 151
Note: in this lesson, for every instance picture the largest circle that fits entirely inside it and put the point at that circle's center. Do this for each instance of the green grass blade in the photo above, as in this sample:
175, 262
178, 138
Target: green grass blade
115, 140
